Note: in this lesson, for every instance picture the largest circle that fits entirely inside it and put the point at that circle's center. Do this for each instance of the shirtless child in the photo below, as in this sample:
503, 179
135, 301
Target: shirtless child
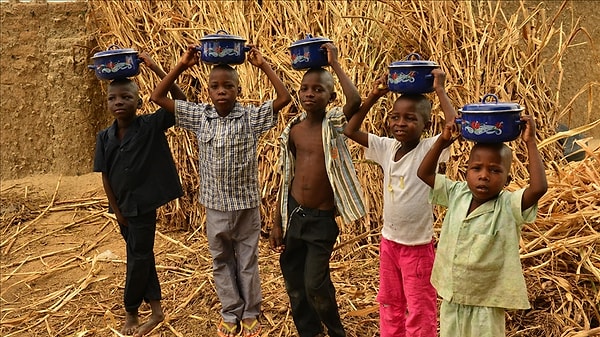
317, 185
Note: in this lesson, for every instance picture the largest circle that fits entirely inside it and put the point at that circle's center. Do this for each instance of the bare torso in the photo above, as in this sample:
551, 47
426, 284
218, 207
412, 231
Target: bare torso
311, 186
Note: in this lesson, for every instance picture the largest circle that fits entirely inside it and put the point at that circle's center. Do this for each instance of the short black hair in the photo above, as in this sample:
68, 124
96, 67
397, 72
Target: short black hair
504, 150
227, 68
422, 104
321, 71
125, 81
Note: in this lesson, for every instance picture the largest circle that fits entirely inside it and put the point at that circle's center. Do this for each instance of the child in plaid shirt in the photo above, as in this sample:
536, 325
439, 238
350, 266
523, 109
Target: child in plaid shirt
228, 133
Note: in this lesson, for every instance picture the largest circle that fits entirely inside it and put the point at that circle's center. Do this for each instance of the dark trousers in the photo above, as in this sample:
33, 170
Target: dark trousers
309, 242
141, 280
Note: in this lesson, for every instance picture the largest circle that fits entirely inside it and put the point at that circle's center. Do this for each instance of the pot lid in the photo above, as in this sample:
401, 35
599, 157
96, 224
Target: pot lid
492, 106
412, 63
309, 40
114, 49
220, 35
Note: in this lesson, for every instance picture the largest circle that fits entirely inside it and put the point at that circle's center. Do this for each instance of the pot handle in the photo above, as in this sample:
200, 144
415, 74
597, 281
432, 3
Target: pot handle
417, 56
113, 46
486, 96
458, 120
91, 67
222, 31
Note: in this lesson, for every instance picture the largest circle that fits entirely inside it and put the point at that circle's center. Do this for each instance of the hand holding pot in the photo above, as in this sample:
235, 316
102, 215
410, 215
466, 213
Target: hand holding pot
255, 57
528, 133
380, 87
449, 134
332, 52
148, 61
439, 79
190, 57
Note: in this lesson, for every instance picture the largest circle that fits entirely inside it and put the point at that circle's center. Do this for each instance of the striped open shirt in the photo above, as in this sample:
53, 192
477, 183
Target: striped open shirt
227, 151
340, 170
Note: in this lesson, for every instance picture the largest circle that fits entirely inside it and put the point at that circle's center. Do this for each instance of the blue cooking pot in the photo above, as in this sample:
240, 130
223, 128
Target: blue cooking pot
116, 63
222, 48
411, 76
307, 53
490, 122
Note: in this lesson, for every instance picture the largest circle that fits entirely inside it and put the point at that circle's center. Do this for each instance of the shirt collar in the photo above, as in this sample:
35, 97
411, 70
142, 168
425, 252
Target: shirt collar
236, 112
131, 129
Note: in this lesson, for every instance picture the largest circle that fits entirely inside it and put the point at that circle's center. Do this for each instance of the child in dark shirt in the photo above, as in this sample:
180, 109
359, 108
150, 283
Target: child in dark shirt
138, 175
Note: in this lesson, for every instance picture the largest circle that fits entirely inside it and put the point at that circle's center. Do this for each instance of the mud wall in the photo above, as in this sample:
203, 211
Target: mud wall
51, 105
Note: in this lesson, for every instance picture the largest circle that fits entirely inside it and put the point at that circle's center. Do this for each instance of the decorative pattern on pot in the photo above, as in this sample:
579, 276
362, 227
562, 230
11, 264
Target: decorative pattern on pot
116, 63
490, 122
411, 76
222, 48
307, 53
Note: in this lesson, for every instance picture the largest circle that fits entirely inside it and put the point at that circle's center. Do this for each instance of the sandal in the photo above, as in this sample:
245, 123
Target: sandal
251, 330
227, 329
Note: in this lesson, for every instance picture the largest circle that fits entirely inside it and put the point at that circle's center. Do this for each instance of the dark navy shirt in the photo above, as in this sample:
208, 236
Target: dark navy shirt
140, 167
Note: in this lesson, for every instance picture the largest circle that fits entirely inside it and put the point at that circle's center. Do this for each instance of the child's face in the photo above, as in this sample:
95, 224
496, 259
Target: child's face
405, 122
223, 89
487, 172
316, 91
123, 101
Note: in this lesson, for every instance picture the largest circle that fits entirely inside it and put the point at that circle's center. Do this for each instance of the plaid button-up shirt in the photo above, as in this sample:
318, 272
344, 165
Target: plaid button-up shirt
227, 151
340, 169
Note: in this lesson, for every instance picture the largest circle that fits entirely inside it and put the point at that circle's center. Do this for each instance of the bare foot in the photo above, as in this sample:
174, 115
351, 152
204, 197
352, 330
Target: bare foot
145, 328
155, 319
131, 323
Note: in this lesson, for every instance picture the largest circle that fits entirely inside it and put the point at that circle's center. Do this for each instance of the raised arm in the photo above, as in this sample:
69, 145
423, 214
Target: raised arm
348, 88
283, 96
429, 164
159, 95
537, 174
175, 90
439, 79
352, 129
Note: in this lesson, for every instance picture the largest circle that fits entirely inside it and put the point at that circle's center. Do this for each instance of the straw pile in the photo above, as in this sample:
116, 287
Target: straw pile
480, 47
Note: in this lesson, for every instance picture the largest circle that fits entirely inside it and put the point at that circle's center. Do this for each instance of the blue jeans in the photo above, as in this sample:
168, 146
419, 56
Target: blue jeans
309, 242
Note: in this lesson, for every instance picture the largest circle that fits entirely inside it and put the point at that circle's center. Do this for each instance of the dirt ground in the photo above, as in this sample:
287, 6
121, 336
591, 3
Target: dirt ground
63, 269
68, 260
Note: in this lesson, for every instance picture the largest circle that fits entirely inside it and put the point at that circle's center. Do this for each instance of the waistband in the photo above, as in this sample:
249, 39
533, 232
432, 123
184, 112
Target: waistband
295, 207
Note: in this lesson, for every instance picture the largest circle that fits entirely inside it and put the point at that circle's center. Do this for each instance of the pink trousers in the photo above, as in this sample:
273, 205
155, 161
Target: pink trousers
407, 300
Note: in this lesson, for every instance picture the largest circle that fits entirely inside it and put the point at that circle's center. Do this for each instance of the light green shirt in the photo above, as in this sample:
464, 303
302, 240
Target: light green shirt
340, 169
477, 260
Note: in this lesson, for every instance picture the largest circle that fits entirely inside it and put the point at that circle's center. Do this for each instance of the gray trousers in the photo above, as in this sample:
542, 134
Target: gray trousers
233, 243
